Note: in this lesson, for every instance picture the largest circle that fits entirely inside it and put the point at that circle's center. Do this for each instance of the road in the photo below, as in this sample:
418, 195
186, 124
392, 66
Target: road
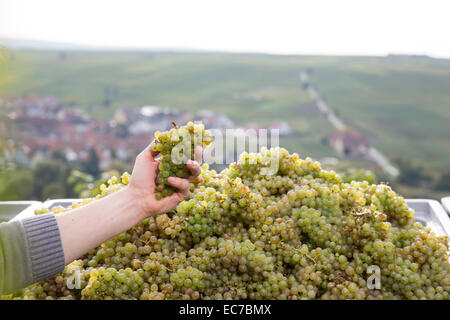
372, 153
321, 105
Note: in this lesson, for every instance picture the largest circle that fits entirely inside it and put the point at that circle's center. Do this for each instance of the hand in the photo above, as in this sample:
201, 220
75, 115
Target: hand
142, 183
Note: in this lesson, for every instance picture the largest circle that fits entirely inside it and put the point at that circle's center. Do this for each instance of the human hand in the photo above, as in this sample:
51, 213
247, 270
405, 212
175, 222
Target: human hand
142, 184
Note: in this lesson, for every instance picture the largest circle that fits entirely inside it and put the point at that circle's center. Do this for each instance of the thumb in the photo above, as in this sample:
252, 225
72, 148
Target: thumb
170, 202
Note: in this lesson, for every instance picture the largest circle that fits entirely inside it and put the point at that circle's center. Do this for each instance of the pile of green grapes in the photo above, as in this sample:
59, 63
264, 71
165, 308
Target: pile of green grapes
301, 233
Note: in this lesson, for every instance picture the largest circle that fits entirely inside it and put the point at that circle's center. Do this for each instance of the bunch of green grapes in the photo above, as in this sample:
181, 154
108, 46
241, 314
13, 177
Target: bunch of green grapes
300, 232
176, 147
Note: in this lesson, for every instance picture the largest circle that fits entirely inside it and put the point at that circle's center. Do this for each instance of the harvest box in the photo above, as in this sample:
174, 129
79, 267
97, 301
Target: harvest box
13, 210
431, 214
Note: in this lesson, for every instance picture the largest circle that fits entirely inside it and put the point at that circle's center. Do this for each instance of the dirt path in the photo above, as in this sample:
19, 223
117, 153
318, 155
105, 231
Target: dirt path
372, 153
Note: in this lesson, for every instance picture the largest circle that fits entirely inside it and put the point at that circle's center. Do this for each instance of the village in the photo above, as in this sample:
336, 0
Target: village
44, 125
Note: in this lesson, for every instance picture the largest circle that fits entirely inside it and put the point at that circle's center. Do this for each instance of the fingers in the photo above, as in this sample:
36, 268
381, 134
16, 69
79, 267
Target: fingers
157, 162
194, 168
182, 185
170, 202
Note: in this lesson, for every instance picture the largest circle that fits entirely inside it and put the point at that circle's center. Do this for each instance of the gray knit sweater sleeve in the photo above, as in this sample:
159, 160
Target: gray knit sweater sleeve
45, 250
30, 250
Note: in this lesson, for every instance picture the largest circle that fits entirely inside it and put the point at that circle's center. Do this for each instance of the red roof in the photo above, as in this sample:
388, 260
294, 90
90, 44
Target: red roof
349, 138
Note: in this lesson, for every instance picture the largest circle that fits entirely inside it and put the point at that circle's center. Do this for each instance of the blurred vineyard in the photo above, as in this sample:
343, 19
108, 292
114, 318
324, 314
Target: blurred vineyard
400, 104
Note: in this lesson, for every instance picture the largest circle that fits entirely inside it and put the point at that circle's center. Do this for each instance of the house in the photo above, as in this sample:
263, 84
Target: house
149, 111
283, 127
348, 143
212, 119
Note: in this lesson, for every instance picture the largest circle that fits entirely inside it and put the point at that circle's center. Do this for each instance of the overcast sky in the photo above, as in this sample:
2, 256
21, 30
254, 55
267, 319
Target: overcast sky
343, 27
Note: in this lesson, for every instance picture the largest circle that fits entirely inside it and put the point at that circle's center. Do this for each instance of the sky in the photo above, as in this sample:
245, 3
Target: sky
325, 27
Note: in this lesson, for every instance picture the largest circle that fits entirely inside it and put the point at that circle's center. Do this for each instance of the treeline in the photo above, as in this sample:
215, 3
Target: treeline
55, 178
415, 176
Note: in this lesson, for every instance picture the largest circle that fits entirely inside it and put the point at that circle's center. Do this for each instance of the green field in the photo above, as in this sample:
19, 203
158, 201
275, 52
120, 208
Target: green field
249, 88
401, 103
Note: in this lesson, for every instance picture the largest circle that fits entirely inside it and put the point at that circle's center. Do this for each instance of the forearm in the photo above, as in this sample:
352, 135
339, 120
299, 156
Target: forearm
38, 247
85, 228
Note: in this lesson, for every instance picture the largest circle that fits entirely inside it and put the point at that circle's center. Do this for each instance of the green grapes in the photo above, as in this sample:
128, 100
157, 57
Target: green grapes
302, 233
173, 160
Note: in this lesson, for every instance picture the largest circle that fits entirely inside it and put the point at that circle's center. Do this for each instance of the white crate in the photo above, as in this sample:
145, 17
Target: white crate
431, 214
446, 204
14, 210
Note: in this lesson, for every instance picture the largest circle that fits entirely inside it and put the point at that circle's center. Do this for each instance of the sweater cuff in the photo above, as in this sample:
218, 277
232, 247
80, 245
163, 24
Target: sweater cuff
46, 253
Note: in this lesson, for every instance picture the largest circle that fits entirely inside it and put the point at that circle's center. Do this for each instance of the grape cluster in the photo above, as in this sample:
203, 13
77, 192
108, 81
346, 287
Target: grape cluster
302, 233
176, 147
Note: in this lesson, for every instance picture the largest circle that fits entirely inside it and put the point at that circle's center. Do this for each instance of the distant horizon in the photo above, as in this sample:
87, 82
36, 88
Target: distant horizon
45, 45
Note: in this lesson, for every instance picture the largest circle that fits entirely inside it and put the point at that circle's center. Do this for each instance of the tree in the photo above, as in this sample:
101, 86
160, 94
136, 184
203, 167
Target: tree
120, 166
46, 173
54, 190
411, 175
78, 182
443, 183
6, 147
92, 164
16, 185
59, 155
